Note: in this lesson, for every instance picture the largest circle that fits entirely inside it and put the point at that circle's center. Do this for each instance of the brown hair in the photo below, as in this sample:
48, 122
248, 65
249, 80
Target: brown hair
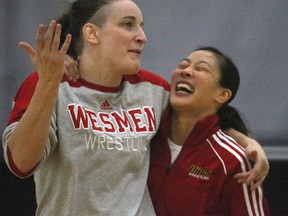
79, 13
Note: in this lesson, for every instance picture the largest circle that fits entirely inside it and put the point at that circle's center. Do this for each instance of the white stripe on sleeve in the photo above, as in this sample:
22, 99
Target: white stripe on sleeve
235, 150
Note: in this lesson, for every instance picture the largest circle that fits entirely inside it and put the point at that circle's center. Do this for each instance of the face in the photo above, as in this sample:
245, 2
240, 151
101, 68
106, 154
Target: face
195, 84
122, 38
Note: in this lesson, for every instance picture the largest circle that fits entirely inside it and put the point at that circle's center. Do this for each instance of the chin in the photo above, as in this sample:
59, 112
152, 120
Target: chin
132, 70
178, 102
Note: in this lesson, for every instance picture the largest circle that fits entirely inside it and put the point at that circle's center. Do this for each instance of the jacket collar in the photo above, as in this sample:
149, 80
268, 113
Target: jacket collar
200, 132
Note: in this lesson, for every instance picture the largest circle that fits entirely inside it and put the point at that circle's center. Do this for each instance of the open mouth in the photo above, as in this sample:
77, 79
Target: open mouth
184, 88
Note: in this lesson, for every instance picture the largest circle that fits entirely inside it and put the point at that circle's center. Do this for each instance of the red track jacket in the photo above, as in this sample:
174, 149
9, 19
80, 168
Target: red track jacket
200, 182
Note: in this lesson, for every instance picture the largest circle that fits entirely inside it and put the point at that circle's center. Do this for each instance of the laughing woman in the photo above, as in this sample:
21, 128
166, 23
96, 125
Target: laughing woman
192, 161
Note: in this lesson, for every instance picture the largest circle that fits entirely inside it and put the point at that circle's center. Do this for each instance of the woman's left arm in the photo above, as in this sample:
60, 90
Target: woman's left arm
255, 153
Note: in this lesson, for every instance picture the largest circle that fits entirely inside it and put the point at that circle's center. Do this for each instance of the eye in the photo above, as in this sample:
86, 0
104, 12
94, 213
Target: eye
200, 69
128, 24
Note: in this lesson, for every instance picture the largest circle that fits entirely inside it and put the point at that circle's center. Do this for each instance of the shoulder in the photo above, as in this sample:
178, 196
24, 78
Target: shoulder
31, 80
27, 88
23, 97
147, 76
229, 152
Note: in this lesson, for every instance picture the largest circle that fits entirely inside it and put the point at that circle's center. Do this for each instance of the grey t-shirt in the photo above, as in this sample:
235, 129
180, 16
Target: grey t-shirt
97, 156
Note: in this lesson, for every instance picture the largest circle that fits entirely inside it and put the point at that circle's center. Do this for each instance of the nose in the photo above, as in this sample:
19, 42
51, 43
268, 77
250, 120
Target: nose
183, 73
141, 36
186, 73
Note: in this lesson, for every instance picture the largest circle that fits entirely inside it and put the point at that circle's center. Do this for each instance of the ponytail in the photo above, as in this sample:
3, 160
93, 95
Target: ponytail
229, 117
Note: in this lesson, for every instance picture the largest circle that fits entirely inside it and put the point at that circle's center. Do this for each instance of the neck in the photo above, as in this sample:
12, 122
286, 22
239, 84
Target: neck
183, 123
98, 73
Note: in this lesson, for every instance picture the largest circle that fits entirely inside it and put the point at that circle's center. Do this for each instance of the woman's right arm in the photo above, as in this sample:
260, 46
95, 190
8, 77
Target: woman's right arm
28, 139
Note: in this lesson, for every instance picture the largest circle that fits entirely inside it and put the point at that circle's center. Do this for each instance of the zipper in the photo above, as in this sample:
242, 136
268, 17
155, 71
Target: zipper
169, 168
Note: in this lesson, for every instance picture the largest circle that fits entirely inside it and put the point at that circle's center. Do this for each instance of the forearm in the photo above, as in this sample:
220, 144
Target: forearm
246, 142
28, 139
240, 138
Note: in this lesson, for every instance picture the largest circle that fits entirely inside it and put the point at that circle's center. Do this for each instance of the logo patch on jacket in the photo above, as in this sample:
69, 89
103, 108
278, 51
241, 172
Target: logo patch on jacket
199, 172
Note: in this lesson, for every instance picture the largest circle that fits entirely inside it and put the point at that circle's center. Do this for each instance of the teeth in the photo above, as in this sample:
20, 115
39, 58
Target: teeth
184, 87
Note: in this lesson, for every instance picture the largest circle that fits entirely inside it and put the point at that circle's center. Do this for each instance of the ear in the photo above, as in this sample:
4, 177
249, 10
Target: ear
90, 33
223, 95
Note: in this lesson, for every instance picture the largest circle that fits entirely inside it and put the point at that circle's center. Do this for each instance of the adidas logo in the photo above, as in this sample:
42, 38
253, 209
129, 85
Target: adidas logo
106, 106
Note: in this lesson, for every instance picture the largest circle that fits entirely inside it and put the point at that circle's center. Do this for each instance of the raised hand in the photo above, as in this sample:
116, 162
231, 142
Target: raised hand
48, 58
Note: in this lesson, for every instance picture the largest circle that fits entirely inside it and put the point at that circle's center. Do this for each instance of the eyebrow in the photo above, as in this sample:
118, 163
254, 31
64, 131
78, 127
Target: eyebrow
186, 59
200, 62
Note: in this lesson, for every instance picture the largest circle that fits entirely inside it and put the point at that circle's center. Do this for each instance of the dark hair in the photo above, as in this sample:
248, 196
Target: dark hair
229, 117
81, 12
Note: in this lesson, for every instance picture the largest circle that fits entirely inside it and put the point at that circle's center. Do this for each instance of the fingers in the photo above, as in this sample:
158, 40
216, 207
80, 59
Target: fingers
28, 49
56, 41
49, 36
241, 177
258, 173
56, 38
260, 179
66, 44
254, 172
39, 38
39, 43
254, 177
49, 57
71, 69
50, 40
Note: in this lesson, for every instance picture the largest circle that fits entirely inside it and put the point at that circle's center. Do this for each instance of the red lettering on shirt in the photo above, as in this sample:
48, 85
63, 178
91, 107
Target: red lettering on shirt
134, 120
